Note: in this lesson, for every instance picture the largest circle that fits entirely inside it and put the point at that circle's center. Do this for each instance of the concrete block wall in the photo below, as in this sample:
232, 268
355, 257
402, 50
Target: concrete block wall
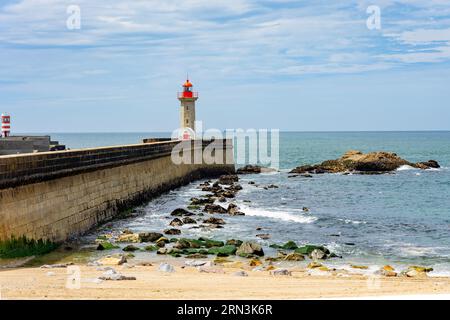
59, 195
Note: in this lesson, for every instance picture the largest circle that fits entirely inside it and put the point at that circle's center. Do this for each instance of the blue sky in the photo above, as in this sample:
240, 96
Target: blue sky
291, 65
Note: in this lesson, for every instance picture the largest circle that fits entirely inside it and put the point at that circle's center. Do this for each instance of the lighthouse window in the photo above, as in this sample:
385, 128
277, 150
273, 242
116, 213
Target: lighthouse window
187, 121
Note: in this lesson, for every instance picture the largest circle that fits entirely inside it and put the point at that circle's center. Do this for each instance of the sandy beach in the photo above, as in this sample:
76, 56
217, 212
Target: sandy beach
190, 283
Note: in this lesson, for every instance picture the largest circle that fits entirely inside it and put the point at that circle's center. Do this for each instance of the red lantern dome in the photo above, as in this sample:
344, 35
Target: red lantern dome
187, 84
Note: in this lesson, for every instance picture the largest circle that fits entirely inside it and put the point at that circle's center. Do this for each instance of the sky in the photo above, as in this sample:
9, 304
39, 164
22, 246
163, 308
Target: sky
289, 65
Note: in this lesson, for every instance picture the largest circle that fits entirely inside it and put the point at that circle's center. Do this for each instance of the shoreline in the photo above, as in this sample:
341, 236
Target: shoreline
218, 283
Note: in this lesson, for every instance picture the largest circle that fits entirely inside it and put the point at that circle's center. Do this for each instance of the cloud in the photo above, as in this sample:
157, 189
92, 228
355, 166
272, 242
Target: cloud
239, 38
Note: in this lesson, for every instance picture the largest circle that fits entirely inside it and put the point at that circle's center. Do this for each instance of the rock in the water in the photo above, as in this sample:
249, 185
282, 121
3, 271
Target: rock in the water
428, 164
387, 271
187, 220
176, 223
373, 162
201, 201
165, 267
228, 179
253, 169
130, 248
264, 236
216, 221
318, 254
290, 245
416, 271
151, 248
249, 169
322, 252
234, 242
162, 251
149, 236
181, 244
128, 237
250, 248
172, 232
214, 208
180, 212
105, 245
161, 242
233, 210
223, 251
294, 257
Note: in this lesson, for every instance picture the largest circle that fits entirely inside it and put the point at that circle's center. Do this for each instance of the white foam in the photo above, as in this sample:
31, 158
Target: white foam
348, 221
405, 168
277, 215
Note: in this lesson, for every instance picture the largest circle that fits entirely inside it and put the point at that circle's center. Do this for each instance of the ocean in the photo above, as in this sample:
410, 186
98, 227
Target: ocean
399, 219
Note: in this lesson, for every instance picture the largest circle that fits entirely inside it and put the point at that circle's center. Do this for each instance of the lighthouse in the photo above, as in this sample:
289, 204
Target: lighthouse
187, 113
6, 125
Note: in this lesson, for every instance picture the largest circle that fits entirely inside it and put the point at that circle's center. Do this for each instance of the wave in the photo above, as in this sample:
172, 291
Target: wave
277, 215
348, 221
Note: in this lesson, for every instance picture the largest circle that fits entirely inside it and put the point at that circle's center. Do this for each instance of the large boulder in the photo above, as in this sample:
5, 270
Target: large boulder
373, 162
250, 248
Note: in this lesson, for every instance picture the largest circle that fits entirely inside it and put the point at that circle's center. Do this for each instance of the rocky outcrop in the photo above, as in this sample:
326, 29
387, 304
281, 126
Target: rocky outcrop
356, 161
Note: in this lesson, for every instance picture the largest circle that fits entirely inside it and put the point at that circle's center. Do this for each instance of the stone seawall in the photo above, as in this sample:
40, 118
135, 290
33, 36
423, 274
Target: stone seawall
57, 195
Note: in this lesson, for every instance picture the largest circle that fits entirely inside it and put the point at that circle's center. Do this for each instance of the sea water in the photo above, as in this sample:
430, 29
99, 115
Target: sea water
399, 219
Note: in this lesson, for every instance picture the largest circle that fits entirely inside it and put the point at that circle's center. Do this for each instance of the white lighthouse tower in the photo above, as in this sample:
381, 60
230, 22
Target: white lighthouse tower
187, 112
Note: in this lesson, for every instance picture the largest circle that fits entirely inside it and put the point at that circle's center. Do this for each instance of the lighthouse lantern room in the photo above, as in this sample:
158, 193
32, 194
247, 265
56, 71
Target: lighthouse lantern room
187, 112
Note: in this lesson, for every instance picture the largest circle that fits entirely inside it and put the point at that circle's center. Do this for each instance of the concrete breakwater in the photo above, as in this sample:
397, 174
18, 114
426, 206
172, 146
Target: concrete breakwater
57, 195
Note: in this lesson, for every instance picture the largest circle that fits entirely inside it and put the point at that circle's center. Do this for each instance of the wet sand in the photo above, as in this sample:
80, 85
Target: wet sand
190, 283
